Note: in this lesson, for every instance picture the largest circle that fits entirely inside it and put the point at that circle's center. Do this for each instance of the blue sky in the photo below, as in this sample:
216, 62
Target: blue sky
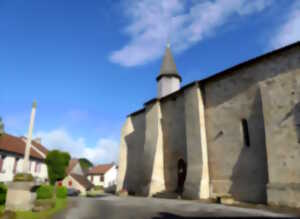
90, 63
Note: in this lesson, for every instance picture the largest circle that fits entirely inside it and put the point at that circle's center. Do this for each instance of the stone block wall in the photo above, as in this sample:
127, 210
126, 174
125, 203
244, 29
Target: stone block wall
281, 104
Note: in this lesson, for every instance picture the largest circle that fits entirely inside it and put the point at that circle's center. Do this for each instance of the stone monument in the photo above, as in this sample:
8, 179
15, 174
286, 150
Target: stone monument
19, 195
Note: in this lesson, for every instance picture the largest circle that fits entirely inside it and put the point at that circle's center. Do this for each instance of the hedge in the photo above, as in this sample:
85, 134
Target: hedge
3, 191
44, 192
23, 177
98, 188
61, 192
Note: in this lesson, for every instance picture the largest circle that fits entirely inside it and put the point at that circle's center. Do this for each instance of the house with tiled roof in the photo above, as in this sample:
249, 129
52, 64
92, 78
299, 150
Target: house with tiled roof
75, 178
12, 150
103, 175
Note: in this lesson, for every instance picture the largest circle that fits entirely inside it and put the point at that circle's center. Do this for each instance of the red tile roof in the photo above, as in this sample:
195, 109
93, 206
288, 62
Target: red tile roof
100, 169
14, 144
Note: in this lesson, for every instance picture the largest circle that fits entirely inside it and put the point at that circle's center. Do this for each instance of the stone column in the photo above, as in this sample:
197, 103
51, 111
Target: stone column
153, 179
28, 143
197, 179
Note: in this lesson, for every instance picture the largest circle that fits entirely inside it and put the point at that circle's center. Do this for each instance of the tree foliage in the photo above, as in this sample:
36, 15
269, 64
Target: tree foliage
85, 163
57, 162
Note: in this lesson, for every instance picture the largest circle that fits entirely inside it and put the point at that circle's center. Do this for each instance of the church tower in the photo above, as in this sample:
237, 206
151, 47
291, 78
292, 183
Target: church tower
168, 79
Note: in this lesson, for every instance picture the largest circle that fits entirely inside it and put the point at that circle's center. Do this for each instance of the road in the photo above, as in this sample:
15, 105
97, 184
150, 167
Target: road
112, 207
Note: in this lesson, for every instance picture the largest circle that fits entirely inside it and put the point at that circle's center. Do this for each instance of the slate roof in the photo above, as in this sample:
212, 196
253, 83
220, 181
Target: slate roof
82, 181
229, 71
168, 67
16, 145
100, 169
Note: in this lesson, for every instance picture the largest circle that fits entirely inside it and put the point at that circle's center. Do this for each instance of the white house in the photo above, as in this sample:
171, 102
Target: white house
103, 175
76, 178
12, 155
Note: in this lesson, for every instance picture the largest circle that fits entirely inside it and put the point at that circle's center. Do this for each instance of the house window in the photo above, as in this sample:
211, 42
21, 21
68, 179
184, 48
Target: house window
70, 183
92, 178
60, 183
36, 167
246, 133
102, 178
15, 165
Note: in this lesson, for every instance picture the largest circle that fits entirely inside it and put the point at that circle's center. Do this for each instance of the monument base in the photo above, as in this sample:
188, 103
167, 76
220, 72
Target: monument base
19, 196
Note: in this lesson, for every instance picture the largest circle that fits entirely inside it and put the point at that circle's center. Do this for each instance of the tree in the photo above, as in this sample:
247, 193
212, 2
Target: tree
85, 163
57, 162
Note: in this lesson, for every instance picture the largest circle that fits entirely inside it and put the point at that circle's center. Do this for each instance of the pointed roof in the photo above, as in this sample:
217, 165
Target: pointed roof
168, 67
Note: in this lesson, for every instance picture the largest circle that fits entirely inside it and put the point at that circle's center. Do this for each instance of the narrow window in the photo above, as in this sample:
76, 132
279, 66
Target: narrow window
246, 132
101, 178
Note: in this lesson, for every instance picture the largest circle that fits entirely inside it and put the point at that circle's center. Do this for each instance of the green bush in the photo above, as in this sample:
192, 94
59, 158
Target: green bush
98, 188
44, 192
21, 177
3, 190
61, 192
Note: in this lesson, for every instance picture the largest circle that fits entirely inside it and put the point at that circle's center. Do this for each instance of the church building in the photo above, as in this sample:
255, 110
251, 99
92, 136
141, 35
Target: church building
234, 134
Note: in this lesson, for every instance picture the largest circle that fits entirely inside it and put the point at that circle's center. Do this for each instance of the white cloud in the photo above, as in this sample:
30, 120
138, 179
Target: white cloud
152, 22
289, 31
105, 150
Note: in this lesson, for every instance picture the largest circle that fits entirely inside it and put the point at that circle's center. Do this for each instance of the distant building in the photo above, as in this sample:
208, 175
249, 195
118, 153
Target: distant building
12, 155
76, 178
103, 175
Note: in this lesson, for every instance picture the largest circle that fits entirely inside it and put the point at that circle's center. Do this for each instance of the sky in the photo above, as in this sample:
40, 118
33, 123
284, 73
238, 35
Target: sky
89, 64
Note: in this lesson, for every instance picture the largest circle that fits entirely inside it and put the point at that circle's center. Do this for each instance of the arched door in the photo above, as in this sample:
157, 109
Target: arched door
181, 175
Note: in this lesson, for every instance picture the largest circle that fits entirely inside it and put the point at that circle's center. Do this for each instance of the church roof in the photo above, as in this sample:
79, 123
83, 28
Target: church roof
230, 71
168, 67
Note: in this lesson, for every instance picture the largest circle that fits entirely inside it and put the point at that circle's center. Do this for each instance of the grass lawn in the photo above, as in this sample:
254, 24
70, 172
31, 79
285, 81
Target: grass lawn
59, 205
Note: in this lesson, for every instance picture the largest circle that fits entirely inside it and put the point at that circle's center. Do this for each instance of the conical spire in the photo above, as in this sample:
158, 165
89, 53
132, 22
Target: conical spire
168, 67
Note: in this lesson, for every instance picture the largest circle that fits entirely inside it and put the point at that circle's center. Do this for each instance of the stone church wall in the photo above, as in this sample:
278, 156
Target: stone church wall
235, 168
131, 153
197, 180
173, 127
281, 104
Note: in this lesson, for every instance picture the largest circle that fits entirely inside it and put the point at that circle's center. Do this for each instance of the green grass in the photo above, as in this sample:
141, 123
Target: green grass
60, 204
2, 209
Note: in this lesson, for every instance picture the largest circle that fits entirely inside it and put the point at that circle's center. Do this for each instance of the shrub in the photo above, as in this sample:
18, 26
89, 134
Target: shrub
98, 188
61, 192
44, 192
21, 177
3, 191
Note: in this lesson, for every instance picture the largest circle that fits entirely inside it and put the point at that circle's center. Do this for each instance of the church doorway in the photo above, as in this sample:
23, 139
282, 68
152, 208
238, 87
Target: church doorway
181, 175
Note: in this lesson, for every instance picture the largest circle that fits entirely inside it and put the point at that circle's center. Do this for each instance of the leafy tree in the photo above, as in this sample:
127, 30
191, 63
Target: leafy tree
85, 163
57, 162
